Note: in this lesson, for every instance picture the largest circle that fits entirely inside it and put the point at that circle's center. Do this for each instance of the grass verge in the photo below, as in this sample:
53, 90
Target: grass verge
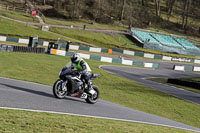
37, 67
11, 28
25, 121
18, 15
109, 41
81, 23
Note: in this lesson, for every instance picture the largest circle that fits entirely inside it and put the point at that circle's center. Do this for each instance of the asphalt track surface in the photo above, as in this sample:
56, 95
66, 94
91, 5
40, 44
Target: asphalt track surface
31, 96
141, 75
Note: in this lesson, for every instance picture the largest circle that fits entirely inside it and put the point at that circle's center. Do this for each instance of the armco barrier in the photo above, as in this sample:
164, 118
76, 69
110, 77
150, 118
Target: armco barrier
154, 56
6, 48
187, 68
91, 49
106, 59
28, 49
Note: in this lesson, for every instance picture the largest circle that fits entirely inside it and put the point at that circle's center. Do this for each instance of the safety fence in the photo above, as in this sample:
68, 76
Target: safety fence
106, 59
93, 49
13, 8
155, 56
187, 68
9, 48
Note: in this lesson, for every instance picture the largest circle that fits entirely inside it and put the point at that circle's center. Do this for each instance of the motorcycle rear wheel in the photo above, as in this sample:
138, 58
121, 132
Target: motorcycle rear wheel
57, 90
93, 99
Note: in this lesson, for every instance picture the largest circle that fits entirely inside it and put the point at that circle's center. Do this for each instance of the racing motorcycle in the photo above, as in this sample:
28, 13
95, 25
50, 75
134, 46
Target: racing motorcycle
71, 84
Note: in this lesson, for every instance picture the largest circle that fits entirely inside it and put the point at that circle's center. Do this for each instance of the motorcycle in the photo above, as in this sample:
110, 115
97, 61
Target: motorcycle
71, 84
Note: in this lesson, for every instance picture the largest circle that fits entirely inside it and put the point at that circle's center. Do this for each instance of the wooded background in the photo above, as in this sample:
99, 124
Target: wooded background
179, 15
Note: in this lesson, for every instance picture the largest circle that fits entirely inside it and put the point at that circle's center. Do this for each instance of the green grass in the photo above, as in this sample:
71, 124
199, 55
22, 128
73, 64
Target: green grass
164, 81
37, 67
109, 41
25, 121
77, 37
98, 39
81, 23
18, 15
15, 29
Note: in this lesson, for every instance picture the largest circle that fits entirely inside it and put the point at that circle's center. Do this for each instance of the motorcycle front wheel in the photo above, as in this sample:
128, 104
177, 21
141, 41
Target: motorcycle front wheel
58, 91
92, 99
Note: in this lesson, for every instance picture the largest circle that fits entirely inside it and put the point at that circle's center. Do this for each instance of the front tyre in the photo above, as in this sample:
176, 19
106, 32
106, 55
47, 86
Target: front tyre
57, 89
94, 98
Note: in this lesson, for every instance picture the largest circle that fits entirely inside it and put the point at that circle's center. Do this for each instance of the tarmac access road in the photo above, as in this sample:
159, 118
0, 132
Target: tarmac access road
21, 95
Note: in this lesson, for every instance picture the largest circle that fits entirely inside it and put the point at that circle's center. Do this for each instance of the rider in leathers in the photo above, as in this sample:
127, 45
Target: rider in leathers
83, 68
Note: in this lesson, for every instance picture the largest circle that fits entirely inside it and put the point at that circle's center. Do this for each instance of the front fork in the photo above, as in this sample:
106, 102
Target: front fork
64, 88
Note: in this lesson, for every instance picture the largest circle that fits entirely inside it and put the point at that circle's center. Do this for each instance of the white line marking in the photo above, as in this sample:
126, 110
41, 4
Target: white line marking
99, 117
88, 115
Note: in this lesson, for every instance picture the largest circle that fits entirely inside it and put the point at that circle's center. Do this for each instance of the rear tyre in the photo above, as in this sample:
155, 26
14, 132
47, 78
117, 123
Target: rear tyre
57, 90
94, 98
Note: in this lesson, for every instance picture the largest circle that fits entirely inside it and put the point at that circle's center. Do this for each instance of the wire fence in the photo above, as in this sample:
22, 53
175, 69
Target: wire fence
14, 8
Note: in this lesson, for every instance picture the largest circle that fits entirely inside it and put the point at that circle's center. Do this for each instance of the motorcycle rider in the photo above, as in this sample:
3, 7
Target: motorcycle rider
83, 68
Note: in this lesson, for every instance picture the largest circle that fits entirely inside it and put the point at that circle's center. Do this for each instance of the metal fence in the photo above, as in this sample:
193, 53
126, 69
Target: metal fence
8, 48
13, 8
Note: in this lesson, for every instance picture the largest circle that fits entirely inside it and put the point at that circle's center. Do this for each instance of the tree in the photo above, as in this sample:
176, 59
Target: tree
170, 5
157, 5
185, 14
122, 11
44, 2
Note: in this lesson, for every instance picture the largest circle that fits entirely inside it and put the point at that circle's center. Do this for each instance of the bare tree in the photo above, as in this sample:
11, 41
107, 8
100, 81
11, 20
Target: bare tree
170, 5
157, 4
185, 14
122, 11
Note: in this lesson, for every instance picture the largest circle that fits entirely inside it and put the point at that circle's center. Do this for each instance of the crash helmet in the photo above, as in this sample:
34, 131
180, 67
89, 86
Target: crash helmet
75, 58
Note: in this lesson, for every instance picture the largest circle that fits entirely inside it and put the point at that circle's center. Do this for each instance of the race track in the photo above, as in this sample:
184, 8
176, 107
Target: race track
31, 96
140, 75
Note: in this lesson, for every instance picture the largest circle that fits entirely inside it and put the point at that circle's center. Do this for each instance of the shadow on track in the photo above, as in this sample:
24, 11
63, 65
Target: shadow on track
39, 92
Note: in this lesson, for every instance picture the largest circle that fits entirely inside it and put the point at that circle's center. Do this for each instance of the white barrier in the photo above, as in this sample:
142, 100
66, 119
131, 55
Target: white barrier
146, 55
95, 49
127, 62
179, 68
106, 59
3, 38
128, 52
196, 69
167, 58
25, 41
148, 65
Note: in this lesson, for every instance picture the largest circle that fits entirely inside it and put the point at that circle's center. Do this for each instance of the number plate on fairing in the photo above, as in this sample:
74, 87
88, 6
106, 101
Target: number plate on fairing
84, 96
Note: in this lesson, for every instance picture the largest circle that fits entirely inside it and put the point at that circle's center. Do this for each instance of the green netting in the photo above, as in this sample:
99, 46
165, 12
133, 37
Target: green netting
104, 50
68, 53
138, 63
158, 57
139, 54
40, 42
117, 50
188, 68
155, 65
84, 48
10, 39
95, 57
119, 61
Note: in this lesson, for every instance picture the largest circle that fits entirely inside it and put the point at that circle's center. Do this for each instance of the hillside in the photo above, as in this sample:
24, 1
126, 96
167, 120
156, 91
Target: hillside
181, 17
87, 37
